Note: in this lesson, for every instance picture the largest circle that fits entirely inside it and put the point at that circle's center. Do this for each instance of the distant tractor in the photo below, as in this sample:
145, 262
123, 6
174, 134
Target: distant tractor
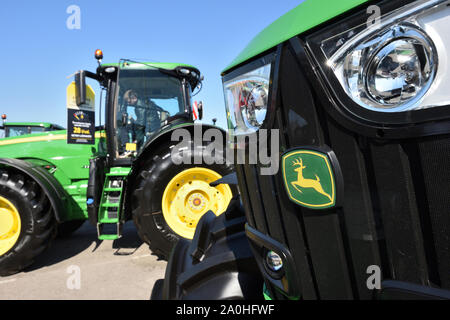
125, 172
14, 129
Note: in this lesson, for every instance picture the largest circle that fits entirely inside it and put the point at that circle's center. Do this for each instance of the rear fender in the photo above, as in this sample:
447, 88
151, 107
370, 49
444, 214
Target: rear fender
52, 188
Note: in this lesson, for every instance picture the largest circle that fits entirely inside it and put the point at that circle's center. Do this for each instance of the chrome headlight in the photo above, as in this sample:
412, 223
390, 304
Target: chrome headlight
246, 100
398, 64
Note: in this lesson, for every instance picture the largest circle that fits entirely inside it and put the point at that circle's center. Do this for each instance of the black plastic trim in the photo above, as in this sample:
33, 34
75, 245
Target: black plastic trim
398, 290
286, 281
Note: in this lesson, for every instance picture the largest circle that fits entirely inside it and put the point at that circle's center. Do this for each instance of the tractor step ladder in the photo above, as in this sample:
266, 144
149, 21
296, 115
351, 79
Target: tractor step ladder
109, 226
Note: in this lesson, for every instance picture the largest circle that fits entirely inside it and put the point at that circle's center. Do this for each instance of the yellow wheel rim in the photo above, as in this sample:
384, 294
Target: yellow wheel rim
9, 225
188, 196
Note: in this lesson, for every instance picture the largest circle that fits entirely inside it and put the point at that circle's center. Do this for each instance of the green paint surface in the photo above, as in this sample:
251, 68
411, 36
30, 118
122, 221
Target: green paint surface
304, 17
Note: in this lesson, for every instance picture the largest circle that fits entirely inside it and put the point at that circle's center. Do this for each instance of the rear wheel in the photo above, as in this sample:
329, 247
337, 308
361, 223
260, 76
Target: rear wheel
27, 223
169, 200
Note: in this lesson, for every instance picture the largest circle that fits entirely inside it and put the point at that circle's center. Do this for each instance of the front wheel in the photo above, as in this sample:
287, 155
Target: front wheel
169, 199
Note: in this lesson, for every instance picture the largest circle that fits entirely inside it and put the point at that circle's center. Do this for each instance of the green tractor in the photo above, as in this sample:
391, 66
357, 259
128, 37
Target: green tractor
14, 129
359, 208
122, 171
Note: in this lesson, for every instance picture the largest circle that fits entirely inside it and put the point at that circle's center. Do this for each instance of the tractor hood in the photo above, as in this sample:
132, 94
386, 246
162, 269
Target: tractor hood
307, 15
35, 137
31, 124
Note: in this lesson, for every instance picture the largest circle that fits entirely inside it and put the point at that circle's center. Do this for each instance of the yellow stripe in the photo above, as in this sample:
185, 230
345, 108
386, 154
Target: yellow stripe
44, 138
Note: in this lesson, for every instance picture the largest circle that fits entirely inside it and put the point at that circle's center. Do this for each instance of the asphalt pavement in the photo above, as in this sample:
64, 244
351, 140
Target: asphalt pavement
81, 267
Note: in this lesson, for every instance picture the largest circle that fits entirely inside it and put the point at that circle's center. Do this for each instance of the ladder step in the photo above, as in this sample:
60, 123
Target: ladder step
109, 231
113, 189
109, 205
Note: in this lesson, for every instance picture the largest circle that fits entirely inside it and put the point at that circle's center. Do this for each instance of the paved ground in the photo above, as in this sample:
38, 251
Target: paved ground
81, 267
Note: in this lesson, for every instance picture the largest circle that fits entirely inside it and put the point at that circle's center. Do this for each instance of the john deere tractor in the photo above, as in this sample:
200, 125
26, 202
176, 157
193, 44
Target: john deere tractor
14, 129
359, 208
120, 172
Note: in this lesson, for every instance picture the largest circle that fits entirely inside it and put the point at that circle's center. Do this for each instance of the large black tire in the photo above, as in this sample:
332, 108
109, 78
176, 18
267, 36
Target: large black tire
66, 228
217, 265
38, 224
148, 191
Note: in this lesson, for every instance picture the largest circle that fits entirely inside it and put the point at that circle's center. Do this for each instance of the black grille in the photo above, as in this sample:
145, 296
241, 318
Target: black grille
396, 211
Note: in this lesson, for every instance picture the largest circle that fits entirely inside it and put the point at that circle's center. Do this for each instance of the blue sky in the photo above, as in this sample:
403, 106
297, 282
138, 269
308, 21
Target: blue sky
38, 52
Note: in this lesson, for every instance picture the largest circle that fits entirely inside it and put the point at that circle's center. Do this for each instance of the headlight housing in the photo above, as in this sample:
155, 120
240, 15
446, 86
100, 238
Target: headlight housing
247, 99
399, 64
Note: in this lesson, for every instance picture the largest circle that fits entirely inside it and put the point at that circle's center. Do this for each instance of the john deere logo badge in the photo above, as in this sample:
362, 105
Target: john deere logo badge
309, 179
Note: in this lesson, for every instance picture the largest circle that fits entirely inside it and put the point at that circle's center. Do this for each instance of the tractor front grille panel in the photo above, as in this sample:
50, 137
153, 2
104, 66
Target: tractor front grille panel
396, 202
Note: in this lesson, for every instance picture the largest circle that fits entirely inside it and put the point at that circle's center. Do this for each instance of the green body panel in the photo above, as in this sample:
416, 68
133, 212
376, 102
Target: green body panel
304, 17
68, 163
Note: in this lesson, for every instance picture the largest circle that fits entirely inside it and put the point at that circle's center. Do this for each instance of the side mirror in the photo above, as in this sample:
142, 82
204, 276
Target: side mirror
80, 87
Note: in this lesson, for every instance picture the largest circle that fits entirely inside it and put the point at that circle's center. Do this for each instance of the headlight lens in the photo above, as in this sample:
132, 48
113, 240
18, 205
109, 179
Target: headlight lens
394, 66
246, 100
399, 72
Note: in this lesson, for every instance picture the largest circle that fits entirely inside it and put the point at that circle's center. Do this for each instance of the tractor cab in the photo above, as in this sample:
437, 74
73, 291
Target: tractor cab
142, 99
15, 129
148, 98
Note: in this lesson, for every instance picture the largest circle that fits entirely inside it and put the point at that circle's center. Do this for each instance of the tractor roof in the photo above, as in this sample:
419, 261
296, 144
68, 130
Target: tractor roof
160, 65
30, 124
307, 15
193, 80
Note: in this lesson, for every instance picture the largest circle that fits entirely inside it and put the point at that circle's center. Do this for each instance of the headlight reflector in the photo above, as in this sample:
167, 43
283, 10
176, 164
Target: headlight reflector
399, 72
391, 72
397, 65
246, 100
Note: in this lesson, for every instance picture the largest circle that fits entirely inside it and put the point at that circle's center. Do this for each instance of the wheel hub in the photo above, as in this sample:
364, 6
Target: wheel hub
197, 202
9, 225
188, 196
6, 222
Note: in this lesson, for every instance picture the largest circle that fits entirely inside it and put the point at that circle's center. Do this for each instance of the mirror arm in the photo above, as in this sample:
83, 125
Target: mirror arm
93, 75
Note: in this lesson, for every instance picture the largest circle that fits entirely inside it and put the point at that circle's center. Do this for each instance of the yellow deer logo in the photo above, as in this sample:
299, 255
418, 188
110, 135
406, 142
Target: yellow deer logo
307, 183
